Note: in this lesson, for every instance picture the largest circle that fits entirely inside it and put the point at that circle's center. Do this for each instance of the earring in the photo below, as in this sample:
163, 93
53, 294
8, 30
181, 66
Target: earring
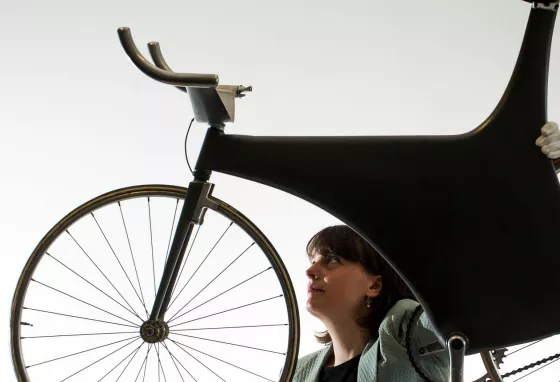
368, 302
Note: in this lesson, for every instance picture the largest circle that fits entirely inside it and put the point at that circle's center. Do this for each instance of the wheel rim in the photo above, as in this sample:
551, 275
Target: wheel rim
139, 349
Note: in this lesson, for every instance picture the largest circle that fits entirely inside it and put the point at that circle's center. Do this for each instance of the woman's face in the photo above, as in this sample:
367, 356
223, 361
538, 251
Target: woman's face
343, 287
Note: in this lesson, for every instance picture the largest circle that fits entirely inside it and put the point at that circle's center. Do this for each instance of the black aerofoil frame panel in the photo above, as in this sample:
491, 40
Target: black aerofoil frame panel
470, 221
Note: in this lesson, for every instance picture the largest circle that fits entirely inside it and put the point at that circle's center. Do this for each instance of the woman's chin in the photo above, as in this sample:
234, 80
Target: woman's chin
313, 308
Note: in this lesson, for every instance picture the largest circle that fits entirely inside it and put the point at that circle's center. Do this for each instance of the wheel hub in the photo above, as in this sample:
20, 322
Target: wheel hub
154, 331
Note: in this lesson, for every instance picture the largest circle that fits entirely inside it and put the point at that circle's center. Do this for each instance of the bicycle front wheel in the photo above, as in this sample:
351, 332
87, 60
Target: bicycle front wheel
90, 283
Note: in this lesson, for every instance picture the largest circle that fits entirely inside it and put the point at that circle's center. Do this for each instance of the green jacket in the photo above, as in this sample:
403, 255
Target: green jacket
386, 359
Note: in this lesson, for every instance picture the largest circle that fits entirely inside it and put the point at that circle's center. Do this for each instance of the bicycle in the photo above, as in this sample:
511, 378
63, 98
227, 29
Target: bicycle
491, 192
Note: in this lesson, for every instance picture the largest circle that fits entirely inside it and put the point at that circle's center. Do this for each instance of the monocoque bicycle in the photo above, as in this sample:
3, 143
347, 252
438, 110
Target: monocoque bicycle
167, 283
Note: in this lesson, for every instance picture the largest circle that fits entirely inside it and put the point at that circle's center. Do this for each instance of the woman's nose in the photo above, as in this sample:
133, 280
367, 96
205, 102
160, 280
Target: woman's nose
311, 272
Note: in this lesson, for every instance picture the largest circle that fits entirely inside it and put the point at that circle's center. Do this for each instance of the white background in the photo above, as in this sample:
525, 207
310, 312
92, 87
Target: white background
77, 119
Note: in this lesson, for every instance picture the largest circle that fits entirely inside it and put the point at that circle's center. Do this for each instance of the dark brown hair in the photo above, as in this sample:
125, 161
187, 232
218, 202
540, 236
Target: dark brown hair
342, 241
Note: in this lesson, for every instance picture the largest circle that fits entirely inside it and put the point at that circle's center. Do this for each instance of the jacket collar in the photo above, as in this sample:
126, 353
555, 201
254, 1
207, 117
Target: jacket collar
323, 356
369, 358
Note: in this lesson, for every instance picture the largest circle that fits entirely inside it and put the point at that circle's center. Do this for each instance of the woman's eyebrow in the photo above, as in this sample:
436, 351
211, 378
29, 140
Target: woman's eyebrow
320, 255
312, 256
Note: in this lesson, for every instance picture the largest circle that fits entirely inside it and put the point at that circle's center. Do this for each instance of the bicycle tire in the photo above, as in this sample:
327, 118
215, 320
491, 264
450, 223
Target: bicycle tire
132, 192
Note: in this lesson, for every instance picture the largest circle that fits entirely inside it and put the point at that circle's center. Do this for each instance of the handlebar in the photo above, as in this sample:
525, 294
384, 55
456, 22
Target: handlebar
155, 52
211, 103
162, 75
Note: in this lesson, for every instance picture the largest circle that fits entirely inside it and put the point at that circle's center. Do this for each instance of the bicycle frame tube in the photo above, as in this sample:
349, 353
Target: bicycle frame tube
445, 211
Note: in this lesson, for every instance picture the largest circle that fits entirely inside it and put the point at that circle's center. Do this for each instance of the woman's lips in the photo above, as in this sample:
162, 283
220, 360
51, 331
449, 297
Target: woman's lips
312, 289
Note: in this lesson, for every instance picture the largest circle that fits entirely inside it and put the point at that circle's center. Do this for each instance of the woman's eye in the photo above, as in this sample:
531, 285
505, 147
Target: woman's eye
335, 258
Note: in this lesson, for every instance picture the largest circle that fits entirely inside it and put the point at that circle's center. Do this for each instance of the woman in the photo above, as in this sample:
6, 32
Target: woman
365, 307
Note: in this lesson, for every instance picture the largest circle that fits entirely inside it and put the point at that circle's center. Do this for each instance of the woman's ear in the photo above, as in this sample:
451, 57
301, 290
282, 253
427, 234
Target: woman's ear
375, 286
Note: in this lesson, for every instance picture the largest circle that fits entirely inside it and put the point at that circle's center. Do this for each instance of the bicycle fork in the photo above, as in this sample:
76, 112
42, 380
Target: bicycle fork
196, 202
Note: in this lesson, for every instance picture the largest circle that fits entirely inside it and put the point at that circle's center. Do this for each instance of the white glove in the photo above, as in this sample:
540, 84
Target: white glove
549, 141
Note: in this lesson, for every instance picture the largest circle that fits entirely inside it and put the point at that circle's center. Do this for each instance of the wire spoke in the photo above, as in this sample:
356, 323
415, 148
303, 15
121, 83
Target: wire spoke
183, 267
197, 360
171, 232
124, 359
177, 367
71, 270
118, 260
152, 246
146, 368
80, 352
77, 335
160, 367
227, 310
200, 265
82, 301
81, 318
219, 294
99, 360
133, 261
143, 363
158, 363
524, 347
229, 343
126, 367
95, 265
221, 360
228, 327
207, 285
543, 366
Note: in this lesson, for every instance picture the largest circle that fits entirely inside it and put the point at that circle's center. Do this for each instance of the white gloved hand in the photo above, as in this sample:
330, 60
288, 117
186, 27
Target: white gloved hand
549, 141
